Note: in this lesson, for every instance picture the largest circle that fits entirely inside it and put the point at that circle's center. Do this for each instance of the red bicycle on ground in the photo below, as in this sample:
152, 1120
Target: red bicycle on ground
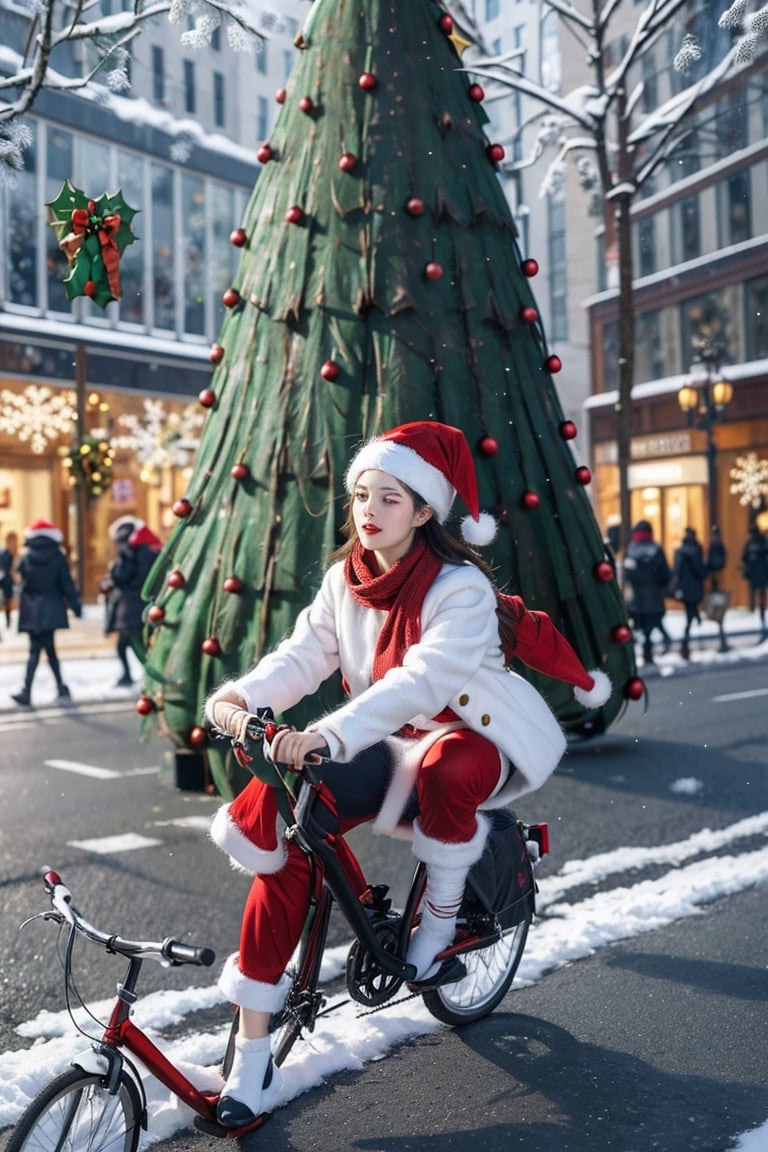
99, 1104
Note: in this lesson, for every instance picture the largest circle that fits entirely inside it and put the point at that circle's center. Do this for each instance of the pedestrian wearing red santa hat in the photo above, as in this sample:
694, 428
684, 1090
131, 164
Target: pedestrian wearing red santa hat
46, 591
435, 724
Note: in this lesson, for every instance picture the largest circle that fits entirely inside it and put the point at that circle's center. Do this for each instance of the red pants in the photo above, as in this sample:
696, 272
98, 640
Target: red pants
458, 773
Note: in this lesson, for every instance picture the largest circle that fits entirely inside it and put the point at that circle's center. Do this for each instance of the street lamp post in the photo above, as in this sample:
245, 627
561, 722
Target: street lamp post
704, 401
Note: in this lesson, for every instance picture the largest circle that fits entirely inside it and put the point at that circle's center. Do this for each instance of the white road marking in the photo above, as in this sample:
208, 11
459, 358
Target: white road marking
82, 769
740, 696
103, 846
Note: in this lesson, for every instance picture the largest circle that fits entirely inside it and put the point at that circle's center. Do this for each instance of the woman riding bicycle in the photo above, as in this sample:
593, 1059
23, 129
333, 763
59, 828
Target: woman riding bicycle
408, 614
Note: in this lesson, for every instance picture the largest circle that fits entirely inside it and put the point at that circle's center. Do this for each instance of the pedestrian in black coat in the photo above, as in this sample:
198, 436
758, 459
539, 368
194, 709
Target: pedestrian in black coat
8, 574
46, 591
716, 557
754, 568
138, 549
647, 574
688, 573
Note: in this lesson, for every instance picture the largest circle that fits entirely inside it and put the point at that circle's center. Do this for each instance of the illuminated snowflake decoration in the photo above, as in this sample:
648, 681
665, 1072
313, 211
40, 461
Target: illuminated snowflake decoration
750, 479
161, 438
38, 415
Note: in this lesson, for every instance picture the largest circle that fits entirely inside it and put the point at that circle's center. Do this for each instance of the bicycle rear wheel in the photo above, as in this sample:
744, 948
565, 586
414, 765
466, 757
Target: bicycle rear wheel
490, 972
76, 1113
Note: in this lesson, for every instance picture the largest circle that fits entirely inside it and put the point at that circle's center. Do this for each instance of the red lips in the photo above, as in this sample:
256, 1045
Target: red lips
371, 529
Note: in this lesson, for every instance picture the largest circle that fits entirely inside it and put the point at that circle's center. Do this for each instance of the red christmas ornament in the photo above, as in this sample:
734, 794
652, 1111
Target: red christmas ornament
233, 584
216, 354
207, 397
239, 471
568, 430
529, 267
621, 634
603, 570
582, 475
198, 736
238, 238
230, 298
144, 705
529, 315
415, 206
156, 614
476, 93
446, 24
280, 95
176, 579
347, 161
495, 153
368, 81
89, 288
330, 370
306, 105
433, 271
182, 508
634, 689
487, 446
211, 646
294, 215
553, 364
531, 499
265, 154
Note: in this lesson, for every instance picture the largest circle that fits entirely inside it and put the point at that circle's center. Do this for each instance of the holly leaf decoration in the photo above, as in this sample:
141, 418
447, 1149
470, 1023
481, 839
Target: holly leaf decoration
92, 234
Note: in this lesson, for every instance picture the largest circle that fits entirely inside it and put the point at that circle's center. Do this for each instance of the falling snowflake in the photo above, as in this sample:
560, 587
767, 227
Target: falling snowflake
750, 479
37, 415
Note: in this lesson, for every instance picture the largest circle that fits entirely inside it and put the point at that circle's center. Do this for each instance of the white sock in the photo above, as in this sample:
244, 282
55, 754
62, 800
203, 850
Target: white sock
445, 891
246, 1078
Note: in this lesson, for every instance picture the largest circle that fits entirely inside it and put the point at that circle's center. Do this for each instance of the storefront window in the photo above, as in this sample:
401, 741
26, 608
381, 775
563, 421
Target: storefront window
22, 224
130, 175
162, 245
195, 249
60, 168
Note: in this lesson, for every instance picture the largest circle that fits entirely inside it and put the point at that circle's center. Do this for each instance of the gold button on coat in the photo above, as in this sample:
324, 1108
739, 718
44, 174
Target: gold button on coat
485, 720
463, 699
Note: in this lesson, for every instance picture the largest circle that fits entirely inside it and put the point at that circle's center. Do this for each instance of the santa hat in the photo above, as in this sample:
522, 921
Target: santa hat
435, 461
121, 529
43, 528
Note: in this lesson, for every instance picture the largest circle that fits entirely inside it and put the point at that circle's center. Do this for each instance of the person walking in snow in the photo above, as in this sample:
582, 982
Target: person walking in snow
46, 591
754, 568
688, 573
411, 618
138, 549
647, 574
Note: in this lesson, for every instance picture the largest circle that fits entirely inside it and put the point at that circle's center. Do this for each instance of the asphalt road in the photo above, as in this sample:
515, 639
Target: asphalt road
653, 1043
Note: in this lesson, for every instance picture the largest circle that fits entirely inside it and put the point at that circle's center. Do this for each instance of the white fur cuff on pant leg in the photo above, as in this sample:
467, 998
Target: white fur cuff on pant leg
244, 855
254, 994
437, 852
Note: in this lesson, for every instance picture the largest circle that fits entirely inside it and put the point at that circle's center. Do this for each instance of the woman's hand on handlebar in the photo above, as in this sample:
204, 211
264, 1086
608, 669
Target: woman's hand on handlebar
297, 748
230, 714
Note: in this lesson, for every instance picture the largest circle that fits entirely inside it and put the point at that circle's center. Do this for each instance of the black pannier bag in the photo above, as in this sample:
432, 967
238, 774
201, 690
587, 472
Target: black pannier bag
501, 882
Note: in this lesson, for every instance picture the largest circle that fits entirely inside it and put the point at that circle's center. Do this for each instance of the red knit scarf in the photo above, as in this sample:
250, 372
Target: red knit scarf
399, 592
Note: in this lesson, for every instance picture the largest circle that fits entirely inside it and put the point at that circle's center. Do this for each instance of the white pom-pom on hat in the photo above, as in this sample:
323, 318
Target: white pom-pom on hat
435, 461
599, 694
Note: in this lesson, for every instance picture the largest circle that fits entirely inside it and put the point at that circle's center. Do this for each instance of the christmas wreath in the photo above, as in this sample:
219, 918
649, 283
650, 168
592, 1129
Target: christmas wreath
90, 463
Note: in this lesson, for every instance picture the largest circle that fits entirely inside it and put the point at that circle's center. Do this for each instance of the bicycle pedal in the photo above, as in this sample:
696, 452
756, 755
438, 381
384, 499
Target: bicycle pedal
450, 972
213, 1128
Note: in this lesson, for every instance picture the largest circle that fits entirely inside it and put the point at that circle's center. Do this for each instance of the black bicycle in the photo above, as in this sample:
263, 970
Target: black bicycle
492, 925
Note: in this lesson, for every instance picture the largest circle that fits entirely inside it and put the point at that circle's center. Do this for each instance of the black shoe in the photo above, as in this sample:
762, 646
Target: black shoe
125, 681
450, 972
23, 698
63, 695
232, 1113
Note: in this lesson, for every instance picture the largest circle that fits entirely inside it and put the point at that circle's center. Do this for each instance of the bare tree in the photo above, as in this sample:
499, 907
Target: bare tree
603, 128
52, 25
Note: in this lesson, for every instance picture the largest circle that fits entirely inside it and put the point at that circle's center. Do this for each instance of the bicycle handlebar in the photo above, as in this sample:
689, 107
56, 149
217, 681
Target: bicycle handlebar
168, 950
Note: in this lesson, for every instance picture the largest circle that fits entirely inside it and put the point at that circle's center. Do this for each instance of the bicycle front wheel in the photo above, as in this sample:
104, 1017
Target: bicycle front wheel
490, 972
76, 1113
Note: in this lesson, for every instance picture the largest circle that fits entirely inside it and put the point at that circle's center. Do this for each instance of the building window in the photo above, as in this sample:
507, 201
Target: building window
491, 9
730, 125
158, 74
189, 86
262, 118
195, 253
610, 342
646, 246
756, 318
649, 348
218, 99
734, 210
132, 299
21, 235
687, 236
216, 39
558, 279
60, 160
163, 246
287, 65
262, 60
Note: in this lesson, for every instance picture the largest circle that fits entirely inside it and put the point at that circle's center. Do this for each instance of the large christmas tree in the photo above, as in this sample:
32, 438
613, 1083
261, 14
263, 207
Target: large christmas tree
380, 282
